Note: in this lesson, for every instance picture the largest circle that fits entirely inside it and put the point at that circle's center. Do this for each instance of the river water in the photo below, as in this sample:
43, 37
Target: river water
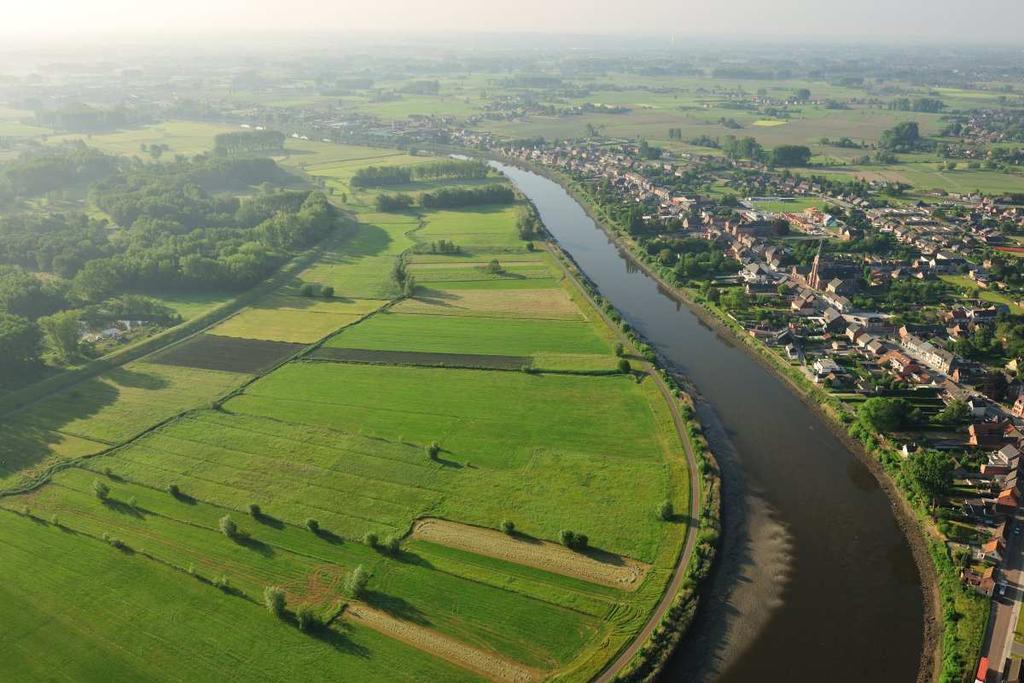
815, 580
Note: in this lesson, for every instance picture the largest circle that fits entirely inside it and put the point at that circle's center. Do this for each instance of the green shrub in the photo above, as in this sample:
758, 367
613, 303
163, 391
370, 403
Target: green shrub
434, 450
327, 292
573, 540
308, 619
624, 367
392, 544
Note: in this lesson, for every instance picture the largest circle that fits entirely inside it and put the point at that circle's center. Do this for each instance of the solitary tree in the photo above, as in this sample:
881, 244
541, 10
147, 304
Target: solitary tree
508, 526
101, 490
273, 598
254, 510
313, 525
355, 582
666, 511
327, 292
371, 539
392, 544
573, 540
228, 526
308, 619
434, 450
624, 366
173, 490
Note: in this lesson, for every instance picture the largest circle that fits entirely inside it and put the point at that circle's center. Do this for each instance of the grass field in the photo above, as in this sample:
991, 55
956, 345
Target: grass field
105, 410
183, 137
966, 284
125, 604
345, 437
470, 334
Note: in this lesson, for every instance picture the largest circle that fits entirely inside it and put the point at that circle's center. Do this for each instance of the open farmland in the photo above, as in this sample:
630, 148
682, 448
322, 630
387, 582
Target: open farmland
415, 407
215, 352
182, 137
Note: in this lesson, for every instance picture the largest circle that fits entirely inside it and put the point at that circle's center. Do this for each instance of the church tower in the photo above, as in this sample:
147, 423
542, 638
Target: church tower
814, 279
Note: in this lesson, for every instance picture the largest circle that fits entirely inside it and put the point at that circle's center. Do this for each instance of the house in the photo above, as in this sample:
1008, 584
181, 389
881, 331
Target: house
986, 435
803, 305
984, 582
1008, 501
992, 550
825, 366
876, 347
833, 321
935, 358
1018, 406
900, 362
1002, 462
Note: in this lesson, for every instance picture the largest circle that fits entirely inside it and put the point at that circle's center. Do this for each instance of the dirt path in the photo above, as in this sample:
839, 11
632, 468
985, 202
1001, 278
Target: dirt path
606, 569
679, 571
486, 664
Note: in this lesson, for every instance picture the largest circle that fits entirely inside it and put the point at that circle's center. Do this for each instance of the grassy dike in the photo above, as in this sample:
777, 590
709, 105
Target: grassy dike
698, 555
955, 618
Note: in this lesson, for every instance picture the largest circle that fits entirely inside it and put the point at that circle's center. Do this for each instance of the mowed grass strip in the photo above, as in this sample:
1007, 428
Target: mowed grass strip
492, 667
125, 603
548, 451
284, 324
436, 360
605, 569
389, 331
552, 304
229, 354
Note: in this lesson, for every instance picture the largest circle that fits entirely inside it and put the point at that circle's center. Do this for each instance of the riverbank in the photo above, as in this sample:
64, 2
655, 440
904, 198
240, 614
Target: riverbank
913, 523
644, 658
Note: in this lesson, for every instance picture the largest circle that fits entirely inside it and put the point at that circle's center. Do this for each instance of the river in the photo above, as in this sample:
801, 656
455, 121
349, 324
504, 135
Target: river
815, 580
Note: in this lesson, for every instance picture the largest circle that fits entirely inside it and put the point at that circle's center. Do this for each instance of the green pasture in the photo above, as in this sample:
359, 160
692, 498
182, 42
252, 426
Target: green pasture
388, 331
135, 619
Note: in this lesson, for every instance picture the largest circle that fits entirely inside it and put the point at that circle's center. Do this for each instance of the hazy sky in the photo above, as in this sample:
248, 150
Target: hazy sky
976, 21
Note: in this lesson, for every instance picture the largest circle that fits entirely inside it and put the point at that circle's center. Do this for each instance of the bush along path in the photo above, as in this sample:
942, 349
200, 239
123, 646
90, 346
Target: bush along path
646, 655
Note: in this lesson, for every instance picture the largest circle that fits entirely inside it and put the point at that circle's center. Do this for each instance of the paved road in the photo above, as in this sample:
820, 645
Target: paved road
999, 641
679, 571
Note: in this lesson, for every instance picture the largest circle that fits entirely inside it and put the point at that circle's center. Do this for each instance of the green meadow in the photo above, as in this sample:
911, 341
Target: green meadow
359, 447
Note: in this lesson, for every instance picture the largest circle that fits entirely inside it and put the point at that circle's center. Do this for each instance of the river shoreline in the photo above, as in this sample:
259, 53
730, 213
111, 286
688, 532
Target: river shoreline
913, 529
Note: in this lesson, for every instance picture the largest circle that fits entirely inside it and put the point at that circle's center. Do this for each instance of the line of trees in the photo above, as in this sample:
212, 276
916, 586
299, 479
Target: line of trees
457, 169
381, 176
457, 196
248, 142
